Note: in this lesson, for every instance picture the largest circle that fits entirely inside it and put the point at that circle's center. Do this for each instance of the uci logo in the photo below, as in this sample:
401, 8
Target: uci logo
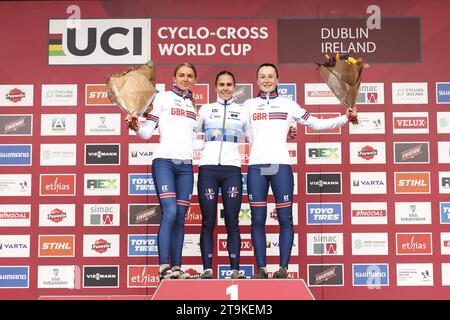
99, 41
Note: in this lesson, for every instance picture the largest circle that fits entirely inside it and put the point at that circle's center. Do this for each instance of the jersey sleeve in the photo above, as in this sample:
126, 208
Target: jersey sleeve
149, 124
247, 124
303, 117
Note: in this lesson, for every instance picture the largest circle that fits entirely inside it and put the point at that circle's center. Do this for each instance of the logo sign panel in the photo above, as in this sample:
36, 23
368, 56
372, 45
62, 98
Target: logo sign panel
15, 185
56, 215
370, 275
100, 276
413, 212
320, 275
101, 214
99, 41
410, 122
324, 183
14, 277
418, 243
59, 95
56, 245
142, 245
414, 274
58, 124
16, 125
369, 123
57, 184
366, 213
102, 184
370, 243
15, 215
324, 213
368, 182
14, 246
410, 93
15, 154
101, 245
412, 182
411, 152
17, 95
64, 154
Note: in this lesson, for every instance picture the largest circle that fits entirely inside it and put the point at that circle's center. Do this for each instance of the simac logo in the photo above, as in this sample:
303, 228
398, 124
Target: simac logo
99, 42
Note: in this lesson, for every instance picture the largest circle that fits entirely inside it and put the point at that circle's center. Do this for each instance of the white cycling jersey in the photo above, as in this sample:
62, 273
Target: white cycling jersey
224, 123
270, 119
176, 119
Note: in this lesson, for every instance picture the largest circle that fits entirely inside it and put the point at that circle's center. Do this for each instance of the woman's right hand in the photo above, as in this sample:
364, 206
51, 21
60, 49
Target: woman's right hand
132, 122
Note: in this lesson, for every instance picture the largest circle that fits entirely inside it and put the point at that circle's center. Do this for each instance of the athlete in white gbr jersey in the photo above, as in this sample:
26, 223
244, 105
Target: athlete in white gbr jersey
270, 119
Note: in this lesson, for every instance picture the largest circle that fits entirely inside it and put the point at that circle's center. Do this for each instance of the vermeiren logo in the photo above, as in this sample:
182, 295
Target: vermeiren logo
106, 41
419, 243
243, 92
144, 214
325, 275
16, 125
411, 152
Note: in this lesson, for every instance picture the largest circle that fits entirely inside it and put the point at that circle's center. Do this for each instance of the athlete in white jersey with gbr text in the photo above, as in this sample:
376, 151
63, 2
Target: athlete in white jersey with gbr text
269, 163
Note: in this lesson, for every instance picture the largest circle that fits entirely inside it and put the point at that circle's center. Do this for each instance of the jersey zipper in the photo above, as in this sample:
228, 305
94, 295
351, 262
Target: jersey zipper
223, 129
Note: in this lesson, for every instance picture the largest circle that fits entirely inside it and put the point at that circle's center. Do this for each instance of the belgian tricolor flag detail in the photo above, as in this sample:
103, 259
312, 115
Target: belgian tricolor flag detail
55, 47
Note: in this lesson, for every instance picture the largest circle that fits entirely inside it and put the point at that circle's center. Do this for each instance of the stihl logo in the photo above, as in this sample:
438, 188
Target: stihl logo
56, 246
97, 95
416, 122
412, 182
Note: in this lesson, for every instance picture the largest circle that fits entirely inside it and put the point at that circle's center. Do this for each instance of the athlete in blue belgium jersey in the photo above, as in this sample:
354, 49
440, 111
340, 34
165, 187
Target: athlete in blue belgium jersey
224, 124
269, 164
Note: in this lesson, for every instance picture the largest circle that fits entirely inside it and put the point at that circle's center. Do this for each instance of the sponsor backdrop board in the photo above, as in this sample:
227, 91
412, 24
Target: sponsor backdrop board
78, 210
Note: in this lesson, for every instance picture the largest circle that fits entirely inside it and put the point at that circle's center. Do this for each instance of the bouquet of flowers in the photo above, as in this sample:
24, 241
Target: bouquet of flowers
342, 74
133, 90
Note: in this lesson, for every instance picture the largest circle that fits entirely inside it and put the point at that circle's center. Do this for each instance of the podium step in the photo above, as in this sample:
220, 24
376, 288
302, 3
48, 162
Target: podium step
227, 289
